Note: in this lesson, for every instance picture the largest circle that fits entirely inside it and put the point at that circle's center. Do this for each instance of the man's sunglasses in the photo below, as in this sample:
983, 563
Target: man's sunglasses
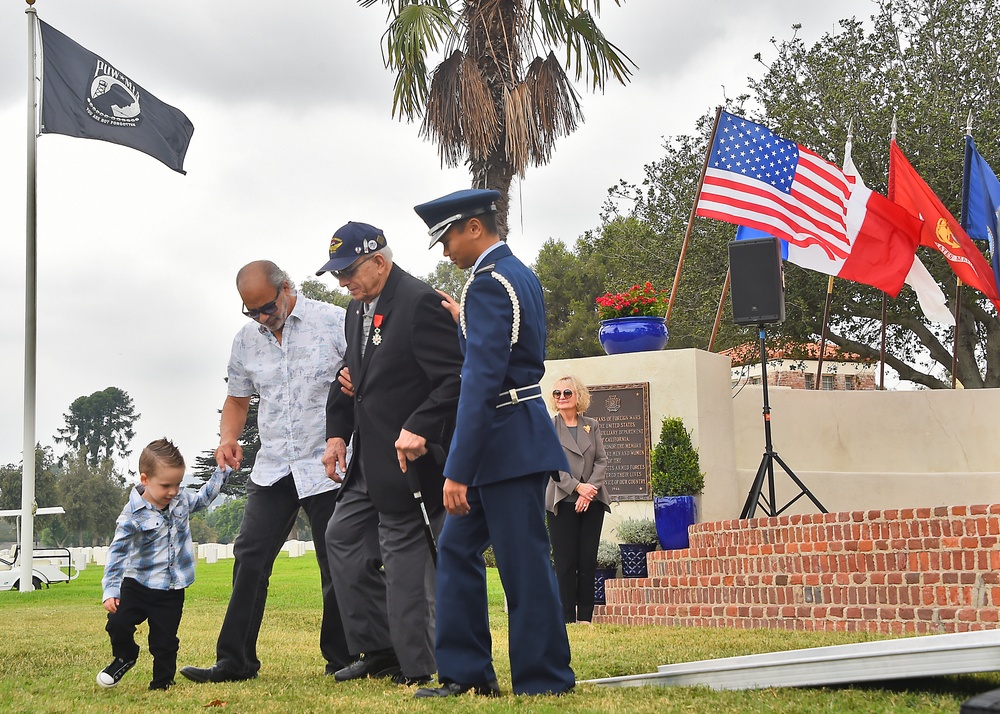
565, 394
269, 309
349, 271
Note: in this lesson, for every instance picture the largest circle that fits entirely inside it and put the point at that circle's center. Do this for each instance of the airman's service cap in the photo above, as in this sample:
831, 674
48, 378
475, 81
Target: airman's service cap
440, 213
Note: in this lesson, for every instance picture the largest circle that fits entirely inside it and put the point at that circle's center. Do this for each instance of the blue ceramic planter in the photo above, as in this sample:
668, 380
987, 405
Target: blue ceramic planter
633, 334
673, 515
634, 559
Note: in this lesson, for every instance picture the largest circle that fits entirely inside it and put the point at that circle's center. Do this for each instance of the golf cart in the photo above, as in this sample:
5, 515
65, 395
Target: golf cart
50, 565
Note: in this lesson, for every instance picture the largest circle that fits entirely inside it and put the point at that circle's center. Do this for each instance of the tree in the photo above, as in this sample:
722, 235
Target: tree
448, 277
571, 280
929, 63
487, 104
226, 519
45, 481
315, 290
250, 441
93, 496
101, 425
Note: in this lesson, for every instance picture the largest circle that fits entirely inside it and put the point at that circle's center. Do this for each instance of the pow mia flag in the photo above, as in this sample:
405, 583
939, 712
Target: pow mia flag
85, 96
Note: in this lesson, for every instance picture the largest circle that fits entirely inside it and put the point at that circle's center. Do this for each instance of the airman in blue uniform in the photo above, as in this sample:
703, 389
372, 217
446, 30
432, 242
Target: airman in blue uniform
502, 454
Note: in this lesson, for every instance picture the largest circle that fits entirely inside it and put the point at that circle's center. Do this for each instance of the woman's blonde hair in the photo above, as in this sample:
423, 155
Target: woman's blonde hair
579, 389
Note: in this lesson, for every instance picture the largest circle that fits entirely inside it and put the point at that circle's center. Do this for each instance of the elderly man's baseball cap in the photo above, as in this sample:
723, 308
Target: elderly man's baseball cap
440, 213
350, 242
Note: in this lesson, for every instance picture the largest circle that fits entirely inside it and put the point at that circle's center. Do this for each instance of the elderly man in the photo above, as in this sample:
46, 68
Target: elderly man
289, 355
503, 453
403, 370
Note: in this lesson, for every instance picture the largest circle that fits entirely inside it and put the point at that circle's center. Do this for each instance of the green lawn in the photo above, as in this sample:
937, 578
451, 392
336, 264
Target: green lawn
52, 644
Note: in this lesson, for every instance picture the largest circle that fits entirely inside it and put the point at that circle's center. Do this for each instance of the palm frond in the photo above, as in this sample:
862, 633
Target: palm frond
521, 133
589, 54
478, 114
416, 30
443, 116
555, 101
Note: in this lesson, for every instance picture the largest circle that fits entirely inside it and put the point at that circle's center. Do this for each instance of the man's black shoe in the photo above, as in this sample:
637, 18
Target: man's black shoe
215, 673
400, 678
161, 685
382, 663
452, 689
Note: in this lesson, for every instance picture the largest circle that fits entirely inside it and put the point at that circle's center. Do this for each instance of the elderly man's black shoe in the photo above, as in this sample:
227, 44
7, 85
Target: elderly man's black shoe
382, 663
215, 673
453, 689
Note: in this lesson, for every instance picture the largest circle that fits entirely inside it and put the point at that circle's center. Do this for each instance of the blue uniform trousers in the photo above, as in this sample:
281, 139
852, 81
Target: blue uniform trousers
510, 516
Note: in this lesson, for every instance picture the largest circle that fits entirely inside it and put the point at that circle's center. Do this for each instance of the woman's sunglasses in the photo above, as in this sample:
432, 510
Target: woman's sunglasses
565, 394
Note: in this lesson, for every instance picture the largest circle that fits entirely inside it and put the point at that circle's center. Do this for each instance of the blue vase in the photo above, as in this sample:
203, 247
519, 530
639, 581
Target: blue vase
673, 515
633, 334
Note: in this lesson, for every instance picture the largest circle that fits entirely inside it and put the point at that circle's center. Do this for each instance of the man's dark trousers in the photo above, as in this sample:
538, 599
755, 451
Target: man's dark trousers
267, 519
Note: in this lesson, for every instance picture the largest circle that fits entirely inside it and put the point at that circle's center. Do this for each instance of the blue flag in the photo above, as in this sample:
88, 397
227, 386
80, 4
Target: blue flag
85, 96
748, 233
980, 202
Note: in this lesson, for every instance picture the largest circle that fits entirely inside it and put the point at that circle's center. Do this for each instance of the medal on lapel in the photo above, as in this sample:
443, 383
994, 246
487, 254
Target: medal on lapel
377, 334
586, 428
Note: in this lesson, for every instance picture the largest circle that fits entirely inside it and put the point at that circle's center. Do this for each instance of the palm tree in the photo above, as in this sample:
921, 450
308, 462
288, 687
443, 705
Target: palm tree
486, 104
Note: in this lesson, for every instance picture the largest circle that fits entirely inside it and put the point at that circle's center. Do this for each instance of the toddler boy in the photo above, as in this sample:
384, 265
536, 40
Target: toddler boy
150, 562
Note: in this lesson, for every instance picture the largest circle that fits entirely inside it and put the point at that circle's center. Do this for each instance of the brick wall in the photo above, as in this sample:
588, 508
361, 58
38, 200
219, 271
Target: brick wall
900, 571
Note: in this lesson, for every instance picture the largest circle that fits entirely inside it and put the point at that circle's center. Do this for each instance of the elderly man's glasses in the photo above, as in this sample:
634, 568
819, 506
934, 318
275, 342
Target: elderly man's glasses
565, 394
269, 309
351, 270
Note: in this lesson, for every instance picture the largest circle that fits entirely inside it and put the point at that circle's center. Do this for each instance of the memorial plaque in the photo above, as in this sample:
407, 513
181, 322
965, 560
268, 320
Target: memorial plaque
622, 410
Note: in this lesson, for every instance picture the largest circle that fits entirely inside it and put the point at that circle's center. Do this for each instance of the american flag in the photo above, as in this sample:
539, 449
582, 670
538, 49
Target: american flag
757, 179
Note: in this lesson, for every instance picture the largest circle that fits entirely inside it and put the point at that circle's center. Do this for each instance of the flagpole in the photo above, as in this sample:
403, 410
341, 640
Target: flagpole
822, 334
718, 313
30, 329
694, 208
958, 324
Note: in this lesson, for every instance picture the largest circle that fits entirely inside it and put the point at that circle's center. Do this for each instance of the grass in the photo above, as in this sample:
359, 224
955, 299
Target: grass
52, 644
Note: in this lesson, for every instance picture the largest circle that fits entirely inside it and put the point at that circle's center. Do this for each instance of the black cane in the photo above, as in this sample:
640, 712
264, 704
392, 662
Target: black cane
437, 453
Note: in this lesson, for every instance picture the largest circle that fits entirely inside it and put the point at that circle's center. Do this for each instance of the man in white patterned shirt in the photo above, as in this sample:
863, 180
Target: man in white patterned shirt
151, 561
289, 355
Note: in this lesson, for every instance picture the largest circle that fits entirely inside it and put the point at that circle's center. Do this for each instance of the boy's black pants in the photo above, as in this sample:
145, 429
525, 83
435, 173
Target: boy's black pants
163, 609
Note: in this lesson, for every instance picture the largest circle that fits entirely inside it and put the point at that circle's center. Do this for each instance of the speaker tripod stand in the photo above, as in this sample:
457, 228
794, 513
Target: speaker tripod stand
766, 469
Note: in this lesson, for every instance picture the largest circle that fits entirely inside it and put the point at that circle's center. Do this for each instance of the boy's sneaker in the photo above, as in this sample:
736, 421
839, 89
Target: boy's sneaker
113, 673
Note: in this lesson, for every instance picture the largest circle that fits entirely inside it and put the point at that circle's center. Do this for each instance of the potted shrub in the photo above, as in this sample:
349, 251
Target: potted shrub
675, 479
638, 537
608, 558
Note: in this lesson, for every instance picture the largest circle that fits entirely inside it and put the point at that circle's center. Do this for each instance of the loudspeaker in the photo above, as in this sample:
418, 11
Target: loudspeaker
758, 290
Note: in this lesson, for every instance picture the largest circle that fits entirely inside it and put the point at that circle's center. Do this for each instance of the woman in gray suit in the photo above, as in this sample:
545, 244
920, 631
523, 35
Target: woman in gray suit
576, 504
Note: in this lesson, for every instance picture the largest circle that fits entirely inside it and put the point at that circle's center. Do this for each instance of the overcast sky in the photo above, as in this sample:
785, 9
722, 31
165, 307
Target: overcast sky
293, 138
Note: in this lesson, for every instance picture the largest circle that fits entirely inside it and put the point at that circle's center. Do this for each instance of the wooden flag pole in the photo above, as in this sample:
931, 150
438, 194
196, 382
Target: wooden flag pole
718, 313
881, 353
822, 334
694, 209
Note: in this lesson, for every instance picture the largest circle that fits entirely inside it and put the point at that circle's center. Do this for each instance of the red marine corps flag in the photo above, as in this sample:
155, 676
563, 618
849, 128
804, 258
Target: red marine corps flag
940, 230
83, 95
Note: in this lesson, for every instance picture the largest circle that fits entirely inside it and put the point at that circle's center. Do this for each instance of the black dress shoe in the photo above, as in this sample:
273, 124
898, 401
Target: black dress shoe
400, 678
215, 673
453, 689
382, 663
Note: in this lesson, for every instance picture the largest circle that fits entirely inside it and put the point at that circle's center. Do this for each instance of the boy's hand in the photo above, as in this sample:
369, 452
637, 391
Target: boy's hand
111, 604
